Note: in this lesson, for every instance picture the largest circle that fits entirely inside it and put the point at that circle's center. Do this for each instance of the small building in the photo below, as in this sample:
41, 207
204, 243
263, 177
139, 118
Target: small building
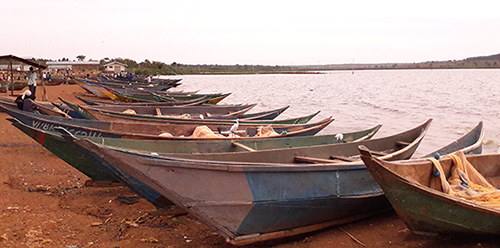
13, 63
75, 66
15, 66
115, 67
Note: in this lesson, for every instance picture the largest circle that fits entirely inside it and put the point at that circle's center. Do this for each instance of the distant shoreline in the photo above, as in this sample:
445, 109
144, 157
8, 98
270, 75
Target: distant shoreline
160, 68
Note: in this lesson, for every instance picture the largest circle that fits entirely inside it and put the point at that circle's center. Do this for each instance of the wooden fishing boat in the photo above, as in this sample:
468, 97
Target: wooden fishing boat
192, 102
317, 154
46, 108
469, 143
71, 80
415, 190
182, 91
134, 89
146, 97
7, 85
107, 91
133, 86
99, 170
144, 90
263, 115
43, 108
153, 97
68, 153
140, 81
69, 111
200, 112
206, 111
196, 114
8, 101
96, 90
94, 128
254, 201
54, 82
131, 118
225, 145
91, 165
75, 108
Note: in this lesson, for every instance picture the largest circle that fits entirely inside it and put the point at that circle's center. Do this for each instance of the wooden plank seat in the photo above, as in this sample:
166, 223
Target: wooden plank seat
311, 160
343, 158
402, 143
234, 143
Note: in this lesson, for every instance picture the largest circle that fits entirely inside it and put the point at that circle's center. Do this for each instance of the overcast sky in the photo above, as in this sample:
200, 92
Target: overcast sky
251, 32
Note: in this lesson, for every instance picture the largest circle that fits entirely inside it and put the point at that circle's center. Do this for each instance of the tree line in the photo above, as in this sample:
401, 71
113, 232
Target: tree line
148, 67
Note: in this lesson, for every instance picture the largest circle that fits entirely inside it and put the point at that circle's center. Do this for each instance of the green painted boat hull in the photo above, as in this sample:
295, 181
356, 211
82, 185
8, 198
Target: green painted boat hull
70, 154
217, 146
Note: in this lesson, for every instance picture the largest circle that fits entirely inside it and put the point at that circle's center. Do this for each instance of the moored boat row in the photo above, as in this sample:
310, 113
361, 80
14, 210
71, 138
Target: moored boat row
246, 186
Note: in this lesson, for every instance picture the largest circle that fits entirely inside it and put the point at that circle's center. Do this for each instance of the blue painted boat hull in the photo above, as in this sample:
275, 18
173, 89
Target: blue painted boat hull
91, 165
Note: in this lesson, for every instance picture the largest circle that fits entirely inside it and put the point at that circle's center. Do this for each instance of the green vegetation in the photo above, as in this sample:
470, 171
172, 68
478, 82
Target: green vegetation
160, 68
156, 68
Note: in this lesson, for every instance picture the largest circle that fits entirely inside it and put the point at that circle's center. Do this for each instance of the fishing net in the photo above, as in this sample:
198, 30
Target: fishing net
182, 116
203, 132
465, 182
266, 131
129, 111
56, 109
165, 135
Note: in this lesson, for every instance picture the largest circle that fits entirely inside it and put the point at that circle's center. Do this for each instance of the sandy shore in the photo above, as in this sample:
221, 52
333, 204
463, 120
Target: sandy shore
45, 203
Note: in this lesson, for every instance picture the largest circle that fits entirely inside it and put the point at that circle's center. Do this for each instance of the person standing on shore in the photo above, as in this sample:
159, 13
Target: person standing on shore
32, 82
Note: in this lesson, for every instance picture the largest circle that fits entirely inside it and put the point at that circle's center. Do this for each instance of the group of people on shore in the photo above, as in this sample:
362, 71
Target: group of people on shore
46, 76
5, 77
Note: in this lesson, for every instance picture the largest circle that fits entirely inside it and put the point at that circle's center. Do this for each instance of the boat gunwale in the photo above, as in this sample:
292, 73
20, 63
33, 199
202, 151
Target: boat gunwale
236, 166
57, 121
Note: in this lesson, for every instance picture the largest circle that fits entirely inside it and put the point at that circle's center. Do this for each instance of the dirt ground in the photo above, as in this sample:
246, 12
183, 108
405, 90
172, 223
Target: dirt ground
44, 203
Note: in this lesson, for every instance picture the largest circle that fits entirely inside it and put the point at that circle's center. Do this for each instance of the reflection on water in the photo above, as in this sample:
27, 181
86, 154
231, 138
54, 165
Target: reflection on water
456, 100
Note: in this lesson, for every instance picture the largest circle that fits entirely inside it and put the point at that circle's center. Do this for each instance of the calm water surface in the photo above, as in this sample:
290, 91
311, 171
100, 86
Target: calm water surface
456, 100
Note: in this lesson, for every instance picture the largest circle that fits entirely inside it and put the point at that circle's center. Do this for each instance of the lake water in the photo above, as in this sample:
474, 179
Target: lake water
456, 100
